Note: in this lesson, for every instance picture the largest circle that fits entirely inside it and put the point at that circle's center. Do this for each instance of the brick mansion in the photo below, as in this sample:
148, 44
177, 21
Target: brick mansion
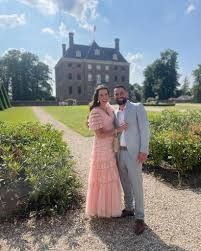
82, 67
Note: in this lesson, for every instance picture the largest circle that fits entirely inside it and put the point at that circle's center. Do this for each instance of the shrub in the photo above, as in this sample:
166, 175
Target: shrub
176, 140
36, 155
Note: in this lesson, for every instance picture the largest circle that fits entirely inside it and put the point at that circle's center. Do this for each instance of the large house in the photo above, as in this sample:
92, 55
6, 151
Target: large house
82, 67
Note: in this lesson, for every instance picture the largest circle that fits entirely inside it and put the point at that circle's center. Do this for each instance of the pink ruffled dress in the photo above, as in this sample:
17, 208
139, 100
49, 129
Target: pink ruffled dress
104, 192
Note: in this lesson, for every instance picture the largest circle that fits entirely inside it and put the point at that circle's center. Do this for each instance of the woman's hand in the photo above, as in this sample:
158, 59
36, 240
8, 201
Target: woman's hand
122, 127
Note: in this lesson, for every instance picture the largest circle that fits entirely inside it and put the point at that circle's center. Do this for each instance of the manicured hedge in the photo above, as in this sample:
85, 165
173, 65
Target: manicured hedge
159, 104
176, 140
36, 167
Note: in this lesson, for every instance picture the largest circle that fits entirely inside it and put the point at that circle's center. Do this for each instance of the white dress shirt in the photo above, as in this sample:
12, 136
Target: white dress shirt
121, 121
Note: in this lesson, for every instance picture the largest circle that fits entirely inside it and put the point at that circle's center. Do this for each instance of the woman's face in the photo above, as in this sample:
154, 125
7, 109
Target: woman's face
103, 97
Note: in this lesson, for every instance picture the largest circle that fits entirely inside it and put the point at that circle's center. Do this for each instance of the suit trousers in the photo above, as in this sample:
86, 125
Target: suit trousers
130, 172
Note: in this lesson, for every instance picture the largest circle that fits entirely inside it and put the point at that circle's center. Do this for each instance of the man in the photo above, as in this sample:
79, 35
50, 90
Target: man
134, 142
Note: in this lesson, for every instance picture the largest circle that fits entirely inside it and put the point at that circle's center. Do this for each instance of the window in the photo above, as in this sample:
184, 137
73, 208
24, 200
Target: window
107, 67
69, 65
79, 90
89, 77
78, 65
115, 67
78, 54
107, 78
98, 78
98, 67
78, 76
115, 78
122, 78
123, 68
70, 90
89, 66
114, 56
70, 76
97, 52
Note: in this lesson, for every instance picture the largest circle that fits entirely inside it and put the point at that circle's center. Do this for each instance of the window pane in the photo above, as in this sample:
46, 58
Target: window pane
89, 66
70, 90
70, 76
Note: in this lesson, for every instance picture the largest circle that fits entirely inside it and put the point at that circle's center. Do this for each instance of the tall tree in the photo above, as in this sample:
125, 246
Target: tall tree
185, 89
135, 92
161, 77
24, 76
197, 84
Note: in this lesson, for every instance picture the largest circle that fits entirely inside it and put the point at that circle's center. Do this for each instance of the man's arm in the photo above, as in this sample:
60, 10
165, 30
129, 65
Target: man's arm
143, 124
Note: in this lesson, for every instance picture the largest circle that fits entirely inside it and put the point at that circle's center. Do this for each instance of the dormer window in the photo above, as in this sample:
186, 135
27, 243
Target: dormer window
114, 56
97, 52
78, 54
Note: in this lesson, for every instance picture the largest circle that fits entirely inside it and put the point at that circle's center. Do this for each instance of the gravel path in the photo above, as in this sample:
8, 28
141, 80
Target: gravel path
173, 217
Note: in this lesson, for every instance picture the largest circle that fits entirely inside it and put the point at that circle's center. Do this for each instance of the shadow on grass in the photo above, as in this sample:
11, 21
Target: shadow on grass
118, 234
170, 177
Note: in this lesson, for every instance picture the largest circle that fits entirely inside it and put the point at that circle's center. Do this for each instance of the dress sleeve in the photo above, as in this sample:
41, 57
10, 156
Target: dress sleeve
95, 120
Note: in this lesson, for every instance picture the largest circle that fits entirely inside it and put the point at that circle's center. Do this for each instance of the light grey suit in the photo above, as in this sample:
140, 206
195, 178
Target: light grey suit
130, 171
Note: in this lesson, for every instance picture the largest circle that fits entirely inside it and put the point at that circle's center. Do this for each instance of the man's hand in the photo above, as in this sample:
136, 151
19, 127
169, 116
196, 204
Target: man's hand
142, 157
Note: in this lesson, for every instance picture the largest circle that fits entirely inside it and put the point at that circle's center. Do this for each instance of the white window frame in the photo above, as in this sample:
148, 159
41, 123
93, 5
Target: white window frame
114, 56
98, 78
89, 66
97, 52
89, 77
78, 54
107, 78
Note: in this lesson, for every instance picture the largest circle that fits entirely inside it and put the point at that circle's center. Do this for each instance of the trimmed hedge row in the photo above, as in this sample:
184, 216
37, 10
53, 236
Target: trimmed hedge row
36, 167
176, 140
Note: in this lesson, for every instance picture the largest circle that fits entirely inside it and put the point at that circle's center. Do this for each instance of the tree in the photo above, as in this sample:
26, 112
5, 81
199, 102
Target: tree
24, 76
135, 92
161, 77
185, 89
197, 84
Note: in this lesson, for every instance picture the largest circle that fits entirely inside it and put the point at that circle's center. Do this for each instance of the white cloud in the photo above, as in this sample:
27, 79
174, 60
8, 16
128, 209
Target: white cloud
51, 62
84, 11
63, 31
59, 34
136, 67
48, 31
12, 21
190, 8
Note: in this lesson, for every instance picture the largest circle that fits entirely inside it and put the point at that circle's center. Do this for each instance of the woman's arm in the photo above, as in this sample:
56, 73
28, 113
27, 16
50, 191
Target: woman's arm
101, 133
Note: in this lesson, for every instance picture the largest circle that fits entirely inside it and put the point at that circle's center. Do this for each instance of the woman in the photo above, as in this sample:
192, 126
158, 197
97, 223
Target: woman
104, 194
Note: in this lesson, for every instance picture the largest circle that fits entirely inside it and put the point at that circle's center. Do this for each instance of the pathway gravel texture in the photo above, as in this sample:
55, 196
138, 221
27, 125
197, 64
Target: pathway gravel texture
173, 216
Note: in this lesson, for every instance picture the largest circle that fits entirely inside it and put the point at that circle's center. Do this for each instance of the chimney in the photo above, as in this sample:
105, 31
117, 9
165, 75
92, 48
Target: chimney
71, 42
117, 44
63, 49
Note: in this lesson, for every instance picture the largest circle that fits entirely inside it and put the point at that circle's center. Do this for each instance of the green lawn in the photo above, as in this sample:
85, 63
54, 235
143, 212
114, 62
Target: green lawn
75, 116
18, 114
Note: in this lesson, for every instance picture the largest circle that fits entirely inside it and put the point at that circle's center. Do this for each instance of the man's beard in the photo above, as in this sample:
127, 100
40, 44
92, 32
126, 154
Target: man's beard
122, 101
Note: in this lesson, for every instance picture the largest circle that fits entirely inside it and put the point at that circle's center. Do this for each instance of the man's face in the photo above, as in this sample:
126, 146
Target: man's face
120, 95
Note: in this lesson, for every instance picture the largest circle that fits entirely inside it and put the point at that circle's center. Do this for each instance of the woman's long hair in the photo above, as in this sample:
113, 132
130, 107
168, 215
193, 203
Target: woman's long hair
95, 101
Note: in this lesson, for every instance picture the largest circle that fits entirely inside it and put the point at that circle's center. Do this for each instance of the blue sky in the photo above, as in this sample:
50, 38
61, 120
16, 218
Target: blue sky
145, 28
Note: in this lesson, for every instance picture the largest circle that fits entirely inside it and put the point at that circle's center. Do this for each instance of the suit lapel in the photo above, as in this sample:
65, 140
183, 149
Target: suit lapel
127, 111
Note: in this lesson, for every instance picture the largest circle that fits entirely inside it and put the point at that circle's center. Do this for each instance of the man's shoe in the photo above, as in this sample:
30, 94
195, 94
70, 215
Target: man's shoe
139, 227
126, 213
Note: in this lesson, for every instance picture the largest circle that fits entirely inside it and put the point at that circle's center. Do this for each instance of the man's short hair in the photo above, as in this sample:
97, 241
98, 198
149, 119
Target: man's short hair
121, 86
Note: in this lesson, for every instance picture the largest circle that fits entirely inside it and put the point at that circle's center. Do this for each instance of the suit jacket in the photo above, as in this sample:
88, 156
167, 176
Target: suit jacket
137, 135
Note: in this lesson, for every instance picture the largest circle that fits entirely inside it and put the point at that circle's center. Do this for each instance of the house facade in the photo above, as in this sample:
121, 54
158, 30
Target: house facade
81, 68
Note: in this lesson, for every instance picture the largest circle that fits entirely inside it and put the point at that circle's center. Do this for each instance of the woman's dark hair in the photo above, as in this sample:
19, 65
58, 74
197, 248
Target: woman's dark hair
95, 101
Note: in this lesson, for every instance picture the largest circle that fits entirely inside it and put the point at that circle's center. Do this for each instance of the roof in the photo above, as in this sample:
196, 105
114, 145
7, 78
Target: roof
87, 52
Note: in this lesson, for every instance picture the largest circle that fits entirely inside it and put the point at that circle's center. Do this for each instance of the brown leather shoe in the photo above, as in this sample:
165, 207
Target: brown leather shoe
139, 227
126, 213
